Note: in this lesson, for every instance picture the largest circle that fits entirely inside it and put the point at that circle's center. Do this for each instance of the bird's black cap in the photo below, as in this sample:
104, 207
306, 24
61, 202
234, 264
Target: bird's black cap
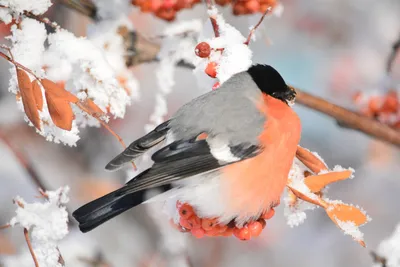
271, 82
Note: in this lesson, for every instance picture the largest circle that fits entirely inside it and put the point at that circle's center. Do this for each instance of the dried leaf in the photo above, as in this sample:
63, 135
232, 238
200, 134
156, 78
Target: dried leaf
37, 93
54, 90
60, 111
348, 218
28, 98
310, 160
317, 182
346, 213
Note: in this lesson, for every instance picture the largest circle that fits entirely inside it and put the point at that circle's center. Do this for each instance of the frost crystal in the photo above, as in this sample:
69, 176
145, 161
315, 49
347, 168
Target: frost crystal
47, 224
351, 229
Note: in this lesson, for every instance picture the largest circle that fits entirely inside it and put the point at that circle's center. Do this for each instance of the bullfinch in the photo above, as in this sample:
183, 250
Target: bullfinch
227, 153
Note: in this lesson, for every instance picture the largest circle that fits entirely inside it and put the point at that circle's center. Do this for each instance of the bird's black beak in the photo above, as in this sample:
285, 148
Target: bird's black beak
288, 96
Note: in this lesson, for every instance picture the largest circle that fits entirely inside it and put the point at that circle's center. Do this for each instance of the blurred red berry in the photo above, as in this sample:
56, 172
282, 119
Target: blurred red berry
211, 69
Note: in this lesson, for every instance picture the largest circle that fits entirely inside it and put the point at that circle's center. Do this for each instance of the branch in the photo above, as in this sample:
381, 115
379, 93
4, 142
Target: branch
5, 226
86, 9
257, 25
378, 259
392, 56
351, 119
28, 241
24, 162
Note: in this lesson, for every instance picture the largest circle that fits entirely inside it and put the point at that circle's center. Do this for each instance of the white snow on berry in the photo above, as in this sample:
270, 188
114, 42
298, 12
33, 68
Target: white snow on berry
235, 57
47, 223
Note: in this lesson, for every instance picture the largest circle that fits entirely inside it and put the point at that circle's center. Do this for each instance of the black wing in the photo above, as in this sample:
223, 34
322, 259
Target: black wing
182, 159
138, 147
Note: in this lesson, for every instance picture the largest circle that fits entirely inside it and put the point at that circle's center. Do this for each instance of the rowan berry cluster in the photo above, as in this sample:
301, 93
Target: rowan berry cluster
244, 7
201, 227
385, 108
164, 9
167, 9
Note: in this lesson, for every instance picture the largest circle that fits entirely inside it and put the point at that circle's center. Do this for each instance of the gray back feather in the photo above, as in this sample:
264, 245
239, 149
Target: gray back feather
230, 112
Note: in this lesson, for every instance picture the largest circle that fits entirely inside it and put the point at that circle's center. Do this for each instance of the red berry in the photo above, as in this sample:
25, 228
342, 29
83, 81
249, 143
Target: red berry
253, 6
255, 228
194, 221
184, 223
202, 50
211, 69
168, 4
215, 86
269, 214
242, 233
198, 232
186, 211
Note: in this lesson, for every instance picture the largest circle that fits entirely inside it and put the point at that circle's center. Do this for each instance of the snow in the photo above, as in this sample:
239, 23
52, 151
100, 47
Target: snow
107, 10
36, 7
389, 248
5, 15
27, 47
47, 224
108, 36
90, 73
236, 56
175, 47
295, 214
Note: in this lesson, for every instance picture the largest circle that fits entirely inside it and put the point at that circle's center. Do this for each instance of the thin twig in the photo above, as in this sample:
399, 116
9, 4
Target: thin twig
79, 105
392, 56
24, 162
28, 242
38, 18
44, 20
257, 25
16, 63
5, 226
351, 119
86, 9
210, 6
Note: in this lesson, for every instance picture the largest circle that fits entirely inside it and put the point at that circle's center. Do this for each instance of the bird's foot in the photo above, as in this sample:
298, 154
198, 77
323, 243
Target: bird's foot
199, 227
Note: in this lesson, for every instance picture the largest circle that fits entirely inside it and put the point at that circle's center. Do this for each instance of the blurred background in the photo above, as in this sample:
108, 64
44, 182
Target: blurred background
331, 48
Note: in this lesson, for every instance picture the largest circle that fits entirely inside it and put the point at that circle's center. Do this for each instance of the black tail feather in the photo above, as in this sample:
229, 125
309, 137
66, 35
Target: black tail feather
105, 208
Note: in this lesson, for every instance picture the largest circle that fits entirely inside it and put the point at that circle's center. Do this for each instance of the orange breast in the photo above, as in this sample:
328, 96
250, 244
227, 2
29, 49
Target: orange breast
253, 185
